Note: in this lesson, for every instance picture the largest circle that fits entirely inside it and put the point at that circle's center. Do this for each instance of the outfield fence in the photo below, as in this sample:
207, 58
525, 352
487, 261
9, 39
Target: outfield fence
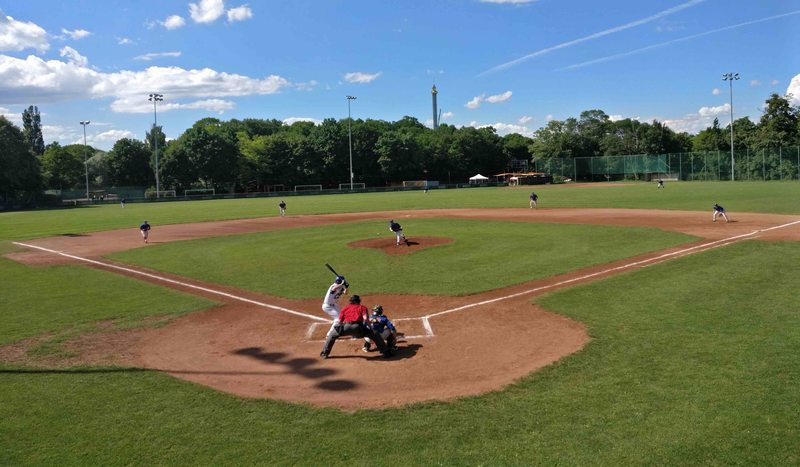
762, 164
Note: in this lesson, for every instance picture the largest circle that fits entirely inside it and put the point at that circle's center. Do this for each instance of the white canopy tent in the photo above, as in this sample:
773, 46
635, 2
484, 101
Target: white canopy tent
478, 179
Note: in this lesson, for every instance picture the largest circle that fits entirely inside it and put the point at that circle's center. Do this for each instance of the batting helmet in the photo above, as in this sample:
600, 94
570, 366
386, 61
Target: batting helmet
355, 299
378, 310
339, 279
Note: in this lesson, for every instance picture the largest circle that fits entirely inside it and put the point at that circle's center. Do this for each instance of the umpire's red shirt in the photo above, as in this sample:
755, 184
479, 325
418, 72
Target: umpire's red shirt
353, 314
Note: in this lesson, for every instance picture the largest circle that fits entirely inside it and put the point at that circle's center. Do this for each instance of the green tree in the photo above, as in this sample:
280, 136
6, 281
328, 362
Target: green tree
32, 129
129, 163
516, 146
711, 139
61, 169
778, 125
214, 152
20, 172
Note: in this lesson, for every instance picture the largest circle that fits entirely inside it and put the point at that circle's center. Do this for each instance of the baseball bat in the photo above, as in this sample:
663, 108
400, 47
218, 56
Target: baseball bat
332, 270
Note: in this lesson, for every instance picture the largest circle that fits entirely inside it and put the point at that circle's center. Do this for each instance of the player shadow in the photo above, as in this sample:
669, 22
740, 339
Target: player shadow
402, 352
73, 235
411, 242
300, 366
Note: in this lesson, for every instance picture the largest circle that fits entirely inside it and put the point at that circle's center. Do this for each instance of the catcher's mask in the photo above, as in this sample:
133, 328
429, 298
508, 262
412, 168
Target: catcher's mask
378, 310
339, 279
355, 300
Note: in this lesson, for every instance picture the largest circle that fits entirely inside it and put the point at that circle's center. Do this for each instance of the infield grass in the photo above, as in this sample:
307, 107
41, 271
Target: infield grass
692, 362
484, 256
767, 197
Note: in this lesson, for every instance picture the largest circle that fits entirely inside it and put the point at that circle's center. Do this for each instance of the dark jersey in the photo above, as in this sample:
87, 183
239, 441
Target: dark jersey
380, 322
395, 226
144, 226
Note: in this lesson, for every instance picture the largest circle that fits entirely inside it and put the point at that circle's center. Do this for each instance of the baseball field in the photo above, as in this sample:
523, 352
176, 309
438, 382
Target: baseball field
614, 324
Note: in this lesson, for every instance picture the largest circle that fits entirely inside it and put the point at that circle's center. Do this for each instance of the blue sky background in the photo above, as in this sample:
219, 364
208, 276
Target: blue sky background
512, 64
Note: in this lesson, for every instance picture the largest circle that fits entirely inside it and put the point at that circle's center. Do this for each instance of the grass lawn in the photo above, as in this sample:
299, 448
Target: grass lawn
771, 197
36, 301
484, 256
693, 361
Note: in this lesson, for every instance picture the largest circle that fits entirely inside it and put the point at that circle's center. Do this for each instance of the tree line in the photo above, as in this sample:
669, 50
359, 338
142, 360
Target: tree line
257, 154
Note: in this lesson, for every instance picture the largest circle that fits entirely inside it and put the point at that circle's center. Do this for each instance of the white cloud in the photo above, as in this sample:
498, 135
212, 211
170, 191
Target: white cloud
499, 98
755, 82
794, 90
292, 120
20, 35
113, 135
475, 102
173, 22
76, 34
503, 129
525, 119
616, 117
359, 77
149, 56
774, 82
74, 57
13, 117
510, 2
694, 123
240, 13
714, 111
124, 41
206, 11
715, 91
549, 117
447, 115
52, 81
306, 86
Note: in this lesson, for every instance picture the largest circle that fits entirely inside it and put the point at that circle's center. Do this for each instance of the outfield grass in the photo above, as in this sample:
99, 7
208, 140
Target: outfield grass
484, 256
769, 197
693, 361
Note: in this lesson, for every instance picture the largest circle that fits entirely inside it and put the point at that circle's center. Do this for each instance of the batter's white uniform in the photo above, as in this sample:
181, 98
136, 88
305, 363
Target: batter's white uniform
329, 304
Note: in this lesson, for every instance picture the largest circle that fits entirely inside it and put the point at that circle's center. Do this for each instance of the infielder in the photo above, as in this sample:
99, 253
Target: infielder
329, 304
398, 232
382, 326
534, 198
282, 207
718, 210
145, 230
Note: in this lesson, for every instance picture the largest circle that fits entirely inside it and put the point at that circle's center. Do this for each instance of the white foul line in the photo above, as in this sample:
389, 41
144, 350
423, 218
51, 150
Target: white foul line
173, 281
606, 271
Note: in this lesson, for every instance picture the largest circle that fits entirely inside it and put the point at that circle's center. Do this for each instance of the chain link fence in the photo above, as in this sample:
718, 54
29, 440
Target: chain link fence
763, 164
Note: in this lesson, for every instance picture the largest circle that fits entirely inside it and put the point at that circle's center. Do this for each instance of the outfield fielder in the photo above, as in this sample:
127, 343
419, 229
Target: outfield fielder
329, 304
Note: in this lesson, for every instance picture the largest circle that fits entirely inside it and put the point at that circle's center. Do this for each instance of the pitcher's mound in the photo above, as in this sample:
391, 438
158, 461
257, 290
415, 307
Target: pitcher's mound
388, 245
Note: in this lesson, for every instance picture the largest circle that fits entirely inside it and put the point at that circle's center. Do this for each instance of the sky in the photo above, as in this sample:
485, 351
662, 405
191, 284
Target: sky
510, 64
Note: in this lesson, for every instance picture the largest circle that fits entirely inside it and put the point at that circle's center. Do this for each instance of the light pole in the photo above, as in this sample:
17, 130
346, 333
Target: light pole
350, 138
731, 77
85, 161
156, 98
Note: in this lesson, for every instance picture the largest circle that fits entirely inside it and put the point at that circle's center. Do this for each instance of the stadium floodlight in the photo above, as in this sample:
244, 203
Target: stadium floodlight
85, 160
731, 77
350, 138
154, 98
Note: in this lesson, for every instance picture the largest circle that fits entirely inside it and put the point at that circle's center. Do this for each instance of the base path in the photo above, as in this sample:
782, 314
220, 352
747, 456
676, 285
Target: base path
477, 345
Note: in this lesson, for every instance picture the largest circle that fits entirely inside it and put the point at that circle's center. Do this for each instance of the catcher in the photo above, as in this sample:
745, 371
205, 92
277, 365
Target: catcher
382, 326
353, 322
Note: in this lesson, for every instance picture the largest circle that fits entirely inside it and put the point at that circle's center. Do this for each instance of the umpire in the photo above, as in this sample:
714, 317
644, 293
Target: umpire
353, 322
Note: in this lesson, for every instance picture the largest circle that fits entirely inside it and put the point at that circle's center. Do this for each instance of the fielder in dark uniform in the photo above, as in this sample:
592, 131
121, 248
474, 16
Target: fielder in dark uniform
718, 211
282, 207
145, 230
398, 232
353, 322
534, 198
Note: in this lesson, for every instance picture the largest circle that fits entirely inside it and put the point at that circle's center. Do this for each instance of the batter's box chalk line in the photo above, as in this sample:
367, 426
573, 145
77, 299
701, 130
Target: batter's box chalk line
423, 321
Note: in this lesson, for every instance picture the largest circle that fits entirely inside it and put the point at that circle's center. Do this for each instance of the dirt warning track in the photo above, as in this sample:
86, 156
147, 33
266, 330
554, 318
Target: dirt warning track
267, 347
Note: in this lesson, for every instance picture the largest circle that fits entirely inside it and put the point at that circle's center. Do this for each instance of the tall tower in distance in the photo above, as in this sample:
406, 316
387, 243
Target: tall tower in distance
435, 109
